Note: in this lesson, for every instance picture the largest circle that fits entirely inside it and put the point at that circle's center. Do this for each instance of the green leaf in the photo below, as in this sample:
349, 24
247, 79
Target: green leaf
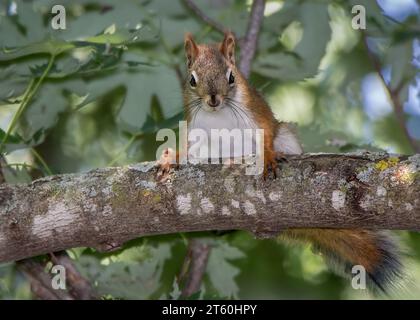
304, 60
221, 272
50, 46
13, 84
156, 111
133, 274
388, 133
140, 84
18, 175
14, 139
176, 292
55, 46
376, 22
399, 57
120, 37
14, 142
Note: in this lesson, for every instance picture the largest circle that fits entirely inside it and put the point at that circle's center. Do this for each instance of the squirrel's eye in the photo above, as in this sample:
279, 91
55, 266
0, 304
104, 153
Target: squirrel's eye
231, 78
193, 83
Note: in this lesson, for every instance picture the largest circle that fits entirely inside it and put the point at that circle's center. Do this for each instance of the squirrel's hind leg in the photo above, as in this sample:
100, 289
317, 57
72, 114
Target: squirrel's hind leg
286, 140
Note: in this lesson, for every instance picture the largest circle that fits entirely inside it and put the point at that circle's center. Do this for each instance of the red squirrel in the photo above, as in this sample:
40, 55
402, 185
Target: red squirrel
217, 95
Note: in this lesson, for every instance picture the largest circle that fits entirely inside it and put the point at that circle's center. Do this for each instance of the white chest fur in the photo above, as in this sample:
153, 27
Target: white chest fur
233, 118
225, 118
223, 128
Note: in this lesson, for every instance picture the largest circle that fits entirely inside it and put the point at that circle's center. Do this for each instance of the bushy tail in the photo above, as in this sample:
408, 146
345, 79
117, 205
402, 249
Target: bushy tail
376, 251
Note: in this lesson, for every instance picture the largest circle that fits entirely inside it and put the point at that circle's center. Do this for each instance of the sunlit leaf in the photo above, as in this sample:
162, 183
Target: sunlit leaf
304, 60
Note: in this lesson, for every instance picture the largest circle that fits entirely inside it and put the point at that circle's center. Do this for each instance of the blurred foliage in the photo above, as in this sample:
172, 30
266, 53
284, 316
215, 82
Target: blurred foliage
96, 93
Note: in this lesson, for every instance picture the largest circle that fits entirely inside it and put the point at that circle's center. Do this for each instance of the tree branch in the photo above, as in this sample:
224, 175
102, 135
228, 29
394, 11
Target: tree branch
114, 205
249, 45
40, 281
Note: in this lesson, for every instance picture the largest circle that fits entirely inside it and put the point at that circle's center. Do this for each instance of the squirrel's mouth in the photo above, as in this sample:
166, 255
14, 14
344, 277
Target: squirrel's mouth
209, 108
213, 100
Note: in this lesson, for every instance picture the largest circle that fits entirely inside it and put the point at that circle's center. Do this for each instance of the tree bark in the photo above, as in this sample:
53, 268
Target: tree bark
106, 207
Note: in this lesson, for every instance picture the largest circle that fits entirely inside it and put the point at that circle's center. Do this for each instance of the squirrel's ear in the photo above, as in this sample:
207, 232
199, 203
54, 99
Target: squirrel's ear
227, 47
191, 49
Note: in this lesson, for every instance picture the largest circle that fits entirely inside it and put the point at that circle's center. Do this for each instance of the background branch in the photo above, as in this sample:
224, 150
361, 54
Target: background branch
3, 164
114, 205
80, 287
40, 281
393, 95
199, 13
249, 45
197, 256
249, 42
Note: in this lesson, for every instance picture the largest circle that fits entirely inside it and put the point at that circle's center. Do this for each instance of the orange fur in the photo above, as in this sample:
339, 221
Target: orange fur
358, 247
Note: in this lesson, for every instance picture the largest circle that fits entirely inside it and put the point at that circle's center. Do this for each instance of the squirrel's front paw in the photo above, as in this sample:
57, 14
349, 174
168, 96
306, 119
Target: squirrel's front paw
270, 164
281, 156
271, 160
167, 161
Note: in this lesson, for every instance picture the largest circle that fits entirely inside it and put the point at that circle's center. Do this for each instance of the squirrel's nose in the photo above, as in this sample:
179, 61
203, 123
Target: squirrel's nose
214, 101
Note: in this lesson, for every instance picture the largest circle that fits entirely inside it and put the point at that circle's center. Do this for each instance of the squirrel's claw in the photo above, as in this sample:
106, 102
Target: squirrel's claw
270, 164
280, 156
271, 160
165, 165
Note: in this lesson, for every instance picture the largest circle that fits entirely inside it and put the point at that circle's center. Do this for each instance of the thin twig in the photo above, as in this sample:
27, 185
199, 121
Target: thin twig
249, 46
41, 161
393, 95
3, 164
214, 24
29, 94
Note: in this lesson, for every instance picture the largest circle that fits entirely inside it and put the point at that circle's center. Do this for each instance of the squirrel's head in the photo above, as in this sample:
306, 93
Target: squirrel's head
212, 75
